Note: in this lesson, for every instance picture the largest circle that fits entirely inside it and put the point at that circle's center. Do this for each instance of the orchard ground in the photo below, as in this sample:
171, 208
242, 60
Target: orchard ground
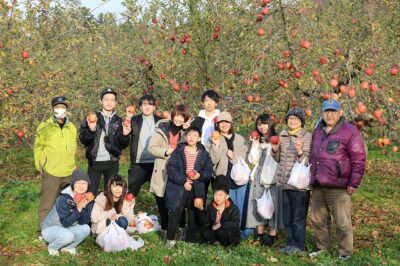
376, 219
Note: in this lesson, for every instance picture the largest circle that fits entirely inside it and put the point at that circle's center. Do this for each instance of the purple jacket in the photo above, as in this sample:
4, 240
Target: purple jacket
338, 158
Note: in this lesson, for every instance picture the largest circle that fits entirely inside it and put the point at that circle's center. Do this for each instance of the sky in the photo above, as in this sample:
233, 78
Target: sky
113, 6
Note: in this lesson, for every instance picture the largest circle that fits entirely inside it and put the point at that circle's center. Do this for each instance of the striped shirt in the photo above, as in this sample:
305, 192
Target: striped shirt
190, 160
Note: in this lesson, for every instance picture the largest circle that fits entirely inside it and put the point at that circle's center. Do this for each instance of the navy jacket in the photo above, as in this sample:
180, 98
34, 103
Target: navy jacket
176, 169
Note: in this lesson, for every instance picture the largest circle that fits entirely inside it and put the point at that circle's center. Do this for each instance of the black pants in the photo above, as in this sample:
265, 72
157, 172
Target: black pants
138, 174
163, 211
295, 208
176, 216
225, 237
98, 169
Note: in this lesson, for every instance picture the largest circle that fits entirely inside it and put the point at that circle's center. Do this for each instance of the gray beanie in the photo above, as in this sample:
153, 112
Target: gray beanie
79, 175
298, 112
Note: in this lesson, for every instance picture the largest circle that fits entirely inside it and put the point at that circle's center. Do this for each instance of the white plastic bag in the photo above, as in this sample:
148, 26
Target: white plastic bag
114, 239
300, 175
240, 172
146, 224
265, 205
268, 174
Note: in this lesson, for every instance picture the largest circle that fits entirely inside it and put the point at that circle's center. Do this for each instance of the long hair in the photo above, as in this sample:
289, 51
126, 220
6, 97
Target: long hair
266, 119
115, 180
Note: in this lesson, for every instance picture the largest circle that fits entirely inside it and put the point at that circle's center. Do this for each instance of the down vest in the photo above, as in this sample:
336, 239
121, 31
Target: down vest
338, 157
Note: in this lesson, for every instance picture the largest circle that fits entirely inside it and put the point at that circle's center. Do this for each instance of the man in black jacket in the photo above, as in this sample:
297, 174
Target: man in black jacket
142, 161
104, 138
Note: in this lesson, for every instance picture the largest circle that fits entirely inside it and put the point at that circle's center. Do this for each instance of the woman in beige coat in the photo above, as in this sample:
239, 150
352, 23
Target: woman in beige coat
166, 136
110, 206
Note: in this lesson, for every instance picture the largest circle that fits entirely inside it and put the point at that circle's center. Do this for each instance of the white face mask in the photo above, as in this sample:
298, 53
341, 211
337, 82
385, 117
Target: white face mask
60, 113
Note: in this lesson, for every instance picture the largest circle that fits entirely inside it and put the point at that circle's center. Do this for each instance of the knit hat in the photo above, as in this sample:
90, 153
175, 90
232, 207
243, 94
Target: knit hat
78, 175
225, 116
298, 112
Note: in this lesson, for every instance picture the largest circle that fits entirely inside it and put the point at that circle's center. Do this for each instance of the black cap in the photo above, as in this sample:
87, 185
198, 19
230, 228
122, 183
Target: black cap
107, 90
193, 128
59, 100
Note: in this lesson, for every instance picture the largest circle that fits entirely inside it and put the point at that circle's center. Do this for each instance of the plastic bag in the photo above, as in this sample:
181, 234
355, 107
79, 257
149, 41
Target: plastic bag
265, 205
268, 174
146, 224
300, 175
240, 172
114, 239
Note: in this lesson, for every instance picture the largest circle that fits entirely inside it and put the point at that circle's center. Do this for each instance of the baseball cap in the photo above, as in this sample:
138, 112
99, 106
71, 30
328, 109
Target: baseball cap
225, 116
107, 90
331, 105
59, 100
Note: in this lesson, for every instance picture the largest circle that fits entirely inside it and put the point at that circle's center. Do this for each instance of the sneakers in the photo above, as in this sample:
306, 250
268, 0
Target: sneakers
269, 241
71, 251
344, 257
316, 253
170, 244
53, 252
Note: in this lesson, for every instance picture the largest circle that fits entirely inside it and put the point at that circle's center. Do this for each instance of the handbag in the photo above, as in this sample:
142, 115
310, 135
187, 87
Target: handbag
240, 172
300, 175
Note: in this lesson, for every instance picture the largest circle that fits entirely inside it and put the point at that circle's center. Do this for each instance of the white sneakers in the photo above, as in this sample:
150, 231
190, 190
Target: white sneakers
71, 251
53, 252
170, 243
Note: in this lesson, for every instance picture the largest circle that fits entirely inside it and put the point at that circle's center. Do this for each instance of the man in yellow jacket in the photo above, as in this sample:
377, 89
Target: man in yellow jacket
54, 152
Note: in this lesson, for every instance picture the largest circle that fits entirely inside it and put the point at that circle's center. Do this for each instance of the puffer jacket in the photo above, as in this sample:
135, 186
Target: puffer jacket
338, 158
65, 213
286, 156
99, 215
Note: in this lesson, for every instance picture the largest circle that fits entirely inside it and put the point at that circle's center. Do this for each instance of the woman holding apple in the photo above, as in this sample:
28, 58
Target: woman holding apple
113, 205
262, 180
293, 145
165, 139
66, 226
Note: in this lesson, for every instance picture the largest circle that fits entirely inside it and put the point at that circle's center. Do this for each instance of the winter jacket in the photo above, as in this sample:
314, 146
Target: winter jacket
230, 218
55, 148
176, 170
136, 125
65, 213
99, 215
159, 144
286, 156
338, 158
220, 159
91, 139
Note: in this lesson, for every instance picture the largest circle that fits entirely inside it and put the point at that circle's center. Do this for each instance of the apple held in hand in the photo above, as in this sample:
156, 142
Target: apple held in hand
79, 197
89, 196
255, 134
274, 140
131, 109
126, 123
191, 174
216, 135
92, 118
129, 197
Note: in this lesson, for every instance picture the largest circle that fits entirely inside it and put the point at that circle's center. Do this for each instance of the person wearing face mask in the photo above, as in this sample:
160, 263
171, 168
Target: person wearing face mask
54, 153
104, 139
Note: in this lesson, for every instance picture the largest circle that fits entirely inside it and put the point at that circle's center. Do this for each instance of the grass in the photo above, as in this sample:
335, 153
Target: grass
376, 220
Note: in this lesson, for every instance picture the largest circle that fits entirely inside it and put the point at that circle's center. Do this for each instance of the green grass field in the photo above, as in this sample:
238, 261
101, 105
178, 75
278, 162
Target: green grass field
376, 220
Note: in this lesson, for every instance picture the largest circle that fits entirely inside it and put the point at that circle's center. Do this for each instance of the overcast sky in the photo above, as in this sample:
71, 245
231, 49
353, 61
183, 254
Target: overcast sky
113, 6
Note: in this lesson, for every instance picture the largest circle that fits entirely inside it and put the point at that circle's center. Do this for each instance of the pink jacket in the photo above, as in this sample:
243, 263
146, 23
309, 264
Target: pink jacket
99, 215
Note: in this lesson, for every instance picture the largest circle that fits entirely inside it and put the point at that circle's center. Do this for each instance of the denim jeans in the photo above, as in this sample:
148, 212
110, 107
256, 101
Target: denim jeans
121, 221
240, 197
295, 207
58, 236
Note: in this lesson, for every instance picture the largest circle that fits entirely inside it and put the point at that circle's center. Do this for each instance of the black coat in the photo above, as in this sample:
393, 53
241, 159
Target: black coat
136, 125
230, 218
91, 139
176, 169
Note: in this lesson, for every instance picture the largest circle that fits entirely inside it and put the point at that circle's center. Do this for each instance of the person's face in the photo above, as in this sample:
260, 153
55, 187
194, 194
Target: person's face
331, 117
220, 197
59, 106
263, 128
80, 186
116, 190
294, 122
147, 108
179, 120
192, 137
109, 102
224, 127
209, 104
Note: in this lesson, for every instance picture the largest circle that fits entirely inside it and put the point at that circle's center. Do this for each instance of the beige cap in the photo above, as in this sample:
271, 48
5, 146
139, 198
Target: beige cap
225, 116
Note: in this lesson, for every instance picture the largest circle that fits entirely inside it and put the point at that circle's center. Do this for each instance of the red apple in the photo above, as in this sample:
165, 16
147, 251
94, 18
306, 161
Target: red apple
286, 53
129, 197
323, 60
386, 141
255, 134
10, 91
191, 174
297, 74
265, 11
315, 73
368, 71
249, 98
373, 88
352, 93
305, 44
343, 89
257, 98
78, 197
25, 54
89, 196
393, 70
378, 114
326, 96
274, 139
215, 36
308, 112
184, 51
20, 134
361, 108
263, 3
163, 76
395, 148
384, 151
126, 123
334, 82
247, 81
259, 18
260, 32
92, 118
172, 37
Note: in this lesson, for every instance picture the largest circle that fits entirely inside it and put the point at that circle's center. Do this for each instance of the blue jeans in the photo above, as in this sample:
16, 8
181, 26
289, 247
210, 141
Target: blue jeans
295, 207
240, 198
121, 221
58, 236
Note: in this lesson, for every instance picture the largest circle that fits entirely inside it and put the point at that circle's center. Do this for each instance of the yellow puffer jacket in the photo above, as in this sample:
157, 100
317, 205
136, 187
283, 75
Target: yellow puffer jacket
55, 148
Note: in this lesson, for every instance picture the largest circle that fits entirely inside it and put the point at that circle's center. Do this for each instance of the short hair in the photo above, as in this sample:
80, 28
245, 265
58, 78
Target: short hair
210, 94
149, 98
231, 130
193, 128
221, 187
182, 110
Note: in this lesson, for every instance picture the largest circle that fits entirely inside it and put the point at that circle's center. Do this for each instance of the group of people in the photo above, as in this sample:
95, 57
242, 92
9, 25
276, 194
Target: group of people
182, 156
